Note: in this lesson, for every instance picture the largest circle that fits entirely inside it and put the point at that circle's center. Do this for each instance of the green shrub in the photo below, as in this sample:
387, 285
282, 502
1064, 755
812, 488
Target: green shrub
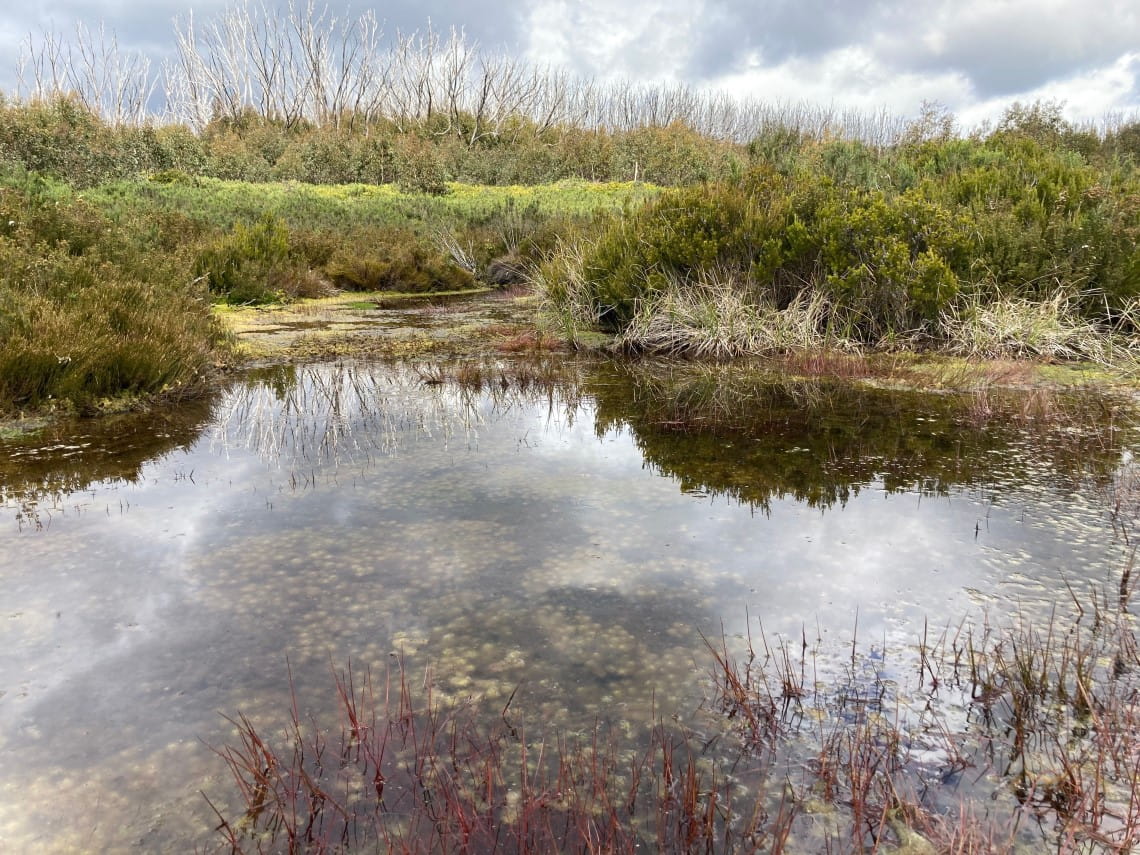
889, 260
891, 240
248, 264
58, 138
680, 234
419, 167
42, 211
674, 155
63, 139
395, 260
88, 312
181, 149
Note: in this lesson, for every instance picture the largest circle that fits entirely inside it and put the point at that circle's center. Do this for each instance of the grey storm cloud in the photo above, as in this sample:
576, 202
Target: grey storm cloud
150, 26
991, 48
1000, 48
781, 30
1007, 48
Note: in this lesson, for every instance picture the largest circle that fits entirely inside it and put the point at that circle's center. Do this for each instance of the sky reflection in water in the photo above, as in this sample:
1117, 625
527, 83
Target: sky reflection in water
569, 540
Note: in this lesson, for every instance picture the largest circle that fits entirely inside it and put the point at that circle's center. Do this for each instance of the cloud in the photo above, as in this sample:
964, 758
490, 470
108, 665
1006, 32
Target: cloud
846, 79
702, 40
860, 53
490, 23
1091, 96
968, 54
1007, 48
150, 26
641, 39
782, 30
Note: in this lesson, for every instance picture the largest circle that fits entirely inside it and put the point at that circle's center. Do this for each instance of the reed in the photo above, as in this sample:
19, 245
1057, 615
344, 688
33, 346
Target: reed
1050, 748
401, 771
716, 318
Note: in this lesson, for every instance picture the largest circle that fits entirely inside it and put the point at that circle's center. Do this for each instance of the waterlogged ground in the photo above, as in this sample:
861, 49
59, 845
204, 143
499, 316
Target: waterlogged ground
562, 532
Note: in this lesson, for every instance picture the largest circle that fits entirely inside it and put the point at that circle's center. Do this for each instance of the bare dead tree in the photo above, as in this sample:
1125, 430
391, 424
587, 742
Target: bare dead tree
40, 73
207, 79
308, 65
548, 96
90, 67
454, 74
342, 69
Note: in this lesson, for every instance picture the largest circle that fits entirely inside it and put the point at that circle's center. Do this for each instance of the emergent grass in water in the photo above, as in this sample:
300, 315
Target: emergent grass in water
552, 539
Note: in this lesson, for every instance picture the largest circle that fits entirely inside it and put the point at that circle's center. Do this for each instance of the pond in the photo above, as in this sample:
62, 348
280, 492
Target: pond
554, 535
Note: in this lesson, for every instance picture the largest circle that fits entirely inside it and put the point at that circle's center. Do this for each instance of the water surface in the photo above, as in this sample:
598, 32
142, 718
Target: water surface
563, 533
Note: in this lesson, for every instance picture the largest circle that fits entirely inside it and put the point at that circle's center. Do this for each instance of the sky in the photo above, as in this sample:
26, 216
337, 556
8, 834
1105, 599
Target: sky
973, 57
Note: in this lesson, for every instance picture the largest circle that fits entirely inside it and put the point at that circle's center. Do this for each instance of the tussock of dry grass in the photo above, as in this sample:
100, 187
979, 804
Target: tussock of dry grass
1019, 327
715, 318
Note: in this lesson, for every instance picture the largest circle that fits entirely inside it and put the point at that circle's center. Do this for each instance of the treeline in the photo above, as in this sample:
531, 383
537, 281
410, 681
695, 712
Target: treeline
305, 66
61, 137
305, 96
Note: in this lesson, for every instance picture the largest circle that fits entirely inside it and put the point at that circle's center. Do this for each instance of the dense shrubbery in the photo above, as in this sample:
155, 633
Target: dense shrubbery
63, 139
107, 276
886, 260
271, 254
895, 241
789, 241
89, 310
262, 242
255, 263
395, 260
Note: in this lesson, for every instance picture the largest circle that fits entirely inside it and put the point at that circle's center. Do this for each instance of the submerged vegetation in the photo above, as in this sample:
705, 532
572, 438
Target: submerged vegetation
987, 739
997, 733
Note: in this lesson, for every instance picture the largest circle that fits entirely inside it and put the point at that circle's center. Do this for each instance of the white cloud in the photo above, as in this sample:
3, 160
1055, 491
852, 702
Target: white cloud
849, 77
645, 39
1014, 46
974, 56
1090, 96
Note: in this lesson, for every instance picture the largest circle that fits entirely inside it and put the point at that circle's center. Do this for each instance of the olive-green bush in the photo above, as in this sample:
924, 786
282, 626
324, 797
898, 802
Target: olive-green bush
395, 260
893, 239
91, 310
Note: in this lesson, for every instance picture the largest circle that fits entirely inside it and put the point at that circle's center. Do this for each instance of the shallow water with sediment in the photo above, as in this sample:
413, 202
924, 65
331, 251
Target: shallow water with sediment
561, 538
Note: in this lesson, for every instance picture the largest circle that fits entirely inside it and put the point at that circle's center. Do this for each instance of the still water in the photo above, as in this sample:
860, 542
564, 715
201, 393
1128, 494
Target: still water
562, 532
